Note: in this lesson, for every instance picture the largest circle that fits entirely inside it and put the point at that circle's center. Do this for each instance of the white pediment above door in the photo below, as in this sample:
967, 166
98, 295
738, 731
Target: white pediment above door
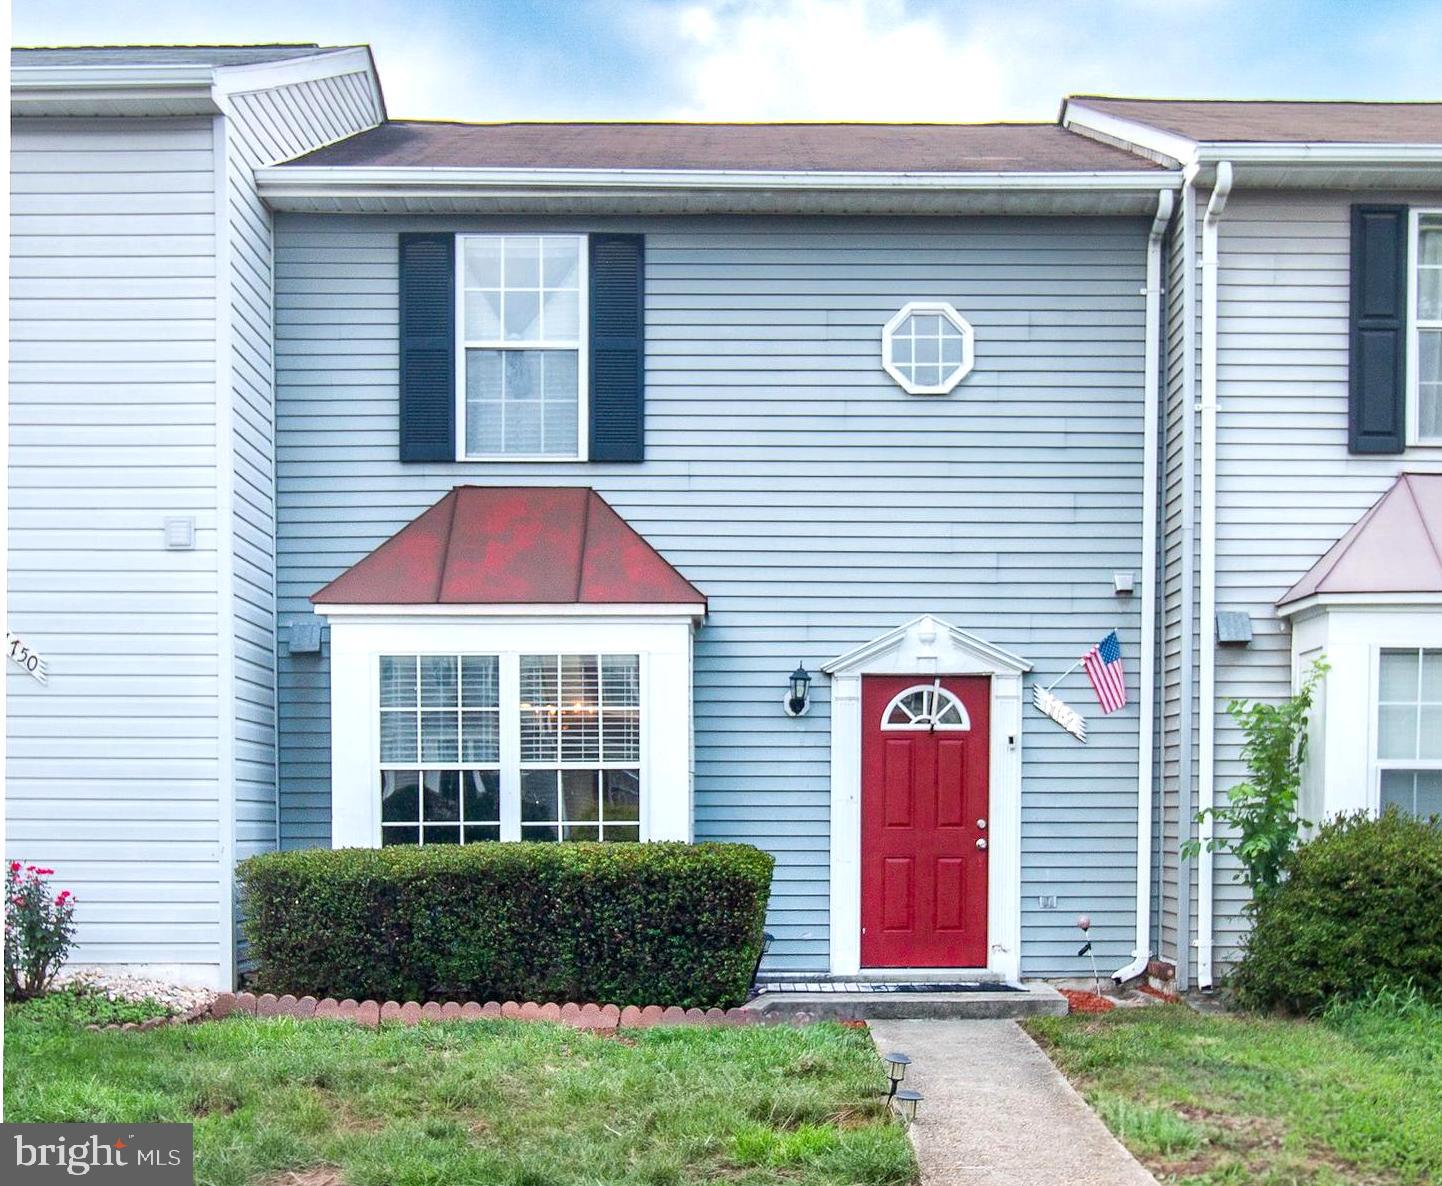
924, 645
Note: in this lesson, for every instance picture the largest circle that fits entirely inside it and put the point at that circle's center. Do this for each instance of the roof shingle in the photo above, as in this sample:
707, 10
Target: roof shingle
800, 147
1396, 547
497, 545
1279, 121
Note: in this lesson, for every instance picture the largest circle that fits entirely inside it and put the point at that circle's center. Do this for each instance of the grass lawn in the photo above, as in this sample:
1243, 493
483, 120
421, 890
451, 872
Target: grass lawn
1207, 1100
487, 1103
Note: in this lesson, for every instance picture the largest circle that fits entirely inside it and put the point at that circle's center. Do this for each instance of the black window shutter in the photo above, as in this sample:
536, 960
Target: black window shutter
428, 347
618, 356
1377, 411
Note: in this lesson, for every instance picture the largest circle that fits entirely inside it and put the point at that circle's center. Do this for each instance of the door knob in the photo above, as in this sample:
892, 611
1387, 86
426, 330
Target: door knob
981, 823
981, 842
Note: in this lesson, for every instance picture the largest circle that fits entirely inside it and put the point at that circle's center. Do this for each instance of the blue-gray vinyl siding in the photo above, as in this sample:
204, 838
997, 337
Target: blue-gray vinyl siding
814, 502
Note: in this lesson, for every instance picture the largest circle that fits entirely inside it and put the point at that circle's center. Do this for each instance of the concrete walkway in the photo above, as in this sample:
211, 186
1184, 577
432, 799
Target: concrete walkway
996, 1112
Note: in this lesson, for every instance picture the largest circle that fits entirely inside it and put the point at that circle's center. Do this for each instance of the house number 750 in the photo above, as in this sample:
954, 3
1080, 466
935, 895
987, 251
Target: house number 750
26, 659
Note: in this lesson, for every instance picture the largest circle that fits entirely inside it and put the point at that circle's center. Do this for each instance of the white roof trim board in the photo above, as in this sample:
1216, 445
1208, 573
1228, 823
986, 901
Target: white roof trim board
191, 88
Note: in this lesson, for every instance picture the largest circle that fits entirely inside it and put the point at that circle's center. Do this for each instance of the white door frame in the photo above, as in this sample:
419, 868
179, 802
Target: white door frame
928, 646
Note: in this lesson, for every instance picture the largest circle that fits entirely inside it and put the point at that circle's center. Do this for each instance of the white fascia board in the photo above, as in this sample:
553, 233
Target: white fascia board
343, 180
93, 89
1384, 601
665, 612
100, 77
1181, 149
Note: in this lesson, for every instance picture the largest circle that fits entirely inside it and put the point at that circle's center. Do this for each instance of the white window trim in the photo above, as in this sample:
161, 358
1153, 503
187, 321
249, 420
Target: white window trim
582, 348
1379, 763
1413, 360
928, 647
664, 648
968, 347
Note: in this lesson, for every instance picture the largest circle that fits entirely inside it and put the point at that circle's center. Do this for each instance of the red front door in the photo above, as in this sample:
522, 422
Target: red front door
925, 752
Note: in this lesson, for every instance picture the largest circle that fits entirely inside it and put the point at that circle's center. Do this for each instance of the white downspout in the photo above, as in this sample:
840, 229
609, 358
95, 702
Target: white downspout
1146, 661
1207, 675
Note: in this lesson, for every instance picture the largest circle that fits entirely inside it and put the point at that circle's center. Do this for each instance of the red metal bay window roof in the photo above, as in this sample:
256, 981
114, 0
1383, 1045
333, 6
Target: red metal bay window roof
514, 546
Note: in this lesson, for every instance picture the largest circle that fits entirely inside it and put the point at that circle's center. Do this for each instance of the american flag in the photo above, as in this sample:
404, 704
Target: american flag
1103, 665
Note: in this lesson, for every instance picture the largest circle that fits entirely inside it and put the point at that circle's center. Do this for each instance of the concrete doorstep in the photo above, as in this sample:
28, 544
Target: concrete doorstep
1033, 1000
996, 1112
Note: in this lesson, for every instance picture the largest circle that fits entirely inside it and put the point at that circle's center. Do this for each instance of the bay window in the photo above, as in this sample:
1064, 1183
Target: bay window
523, 328
460, 762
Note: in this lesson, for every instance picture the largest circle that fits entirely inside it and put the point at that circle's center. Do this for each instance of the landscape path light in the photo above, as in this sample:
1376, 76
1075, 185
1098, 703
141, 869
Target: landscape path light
905, 1104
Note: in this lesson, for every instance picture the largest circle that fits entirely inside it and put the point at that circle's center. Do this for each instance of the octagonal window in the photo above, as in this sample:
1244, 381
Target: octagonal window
927, 347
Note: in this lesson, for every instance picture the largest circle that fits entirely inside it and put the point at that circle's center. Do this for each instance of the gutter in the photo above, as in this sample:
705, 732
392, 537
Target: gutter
1314, 153
316, 180
1207, 677
1147, 666
101, 77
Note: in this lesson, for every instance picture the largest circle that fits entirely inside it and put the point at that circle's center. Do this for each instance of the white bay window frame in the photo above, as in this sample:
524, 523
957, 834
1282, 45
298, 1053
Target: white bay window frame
1417, 324
359, 636
465, 344
1344, 770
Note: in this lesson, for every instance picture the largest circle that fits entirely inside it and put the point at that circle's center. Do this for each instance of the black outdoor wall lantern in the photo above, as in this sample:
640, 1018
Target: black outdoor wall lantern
797, 702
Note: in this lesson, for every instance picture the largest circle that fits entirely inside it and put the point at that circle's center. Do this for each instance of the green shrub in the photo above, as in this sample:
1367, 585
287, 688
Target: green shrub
1358, 912
666, 924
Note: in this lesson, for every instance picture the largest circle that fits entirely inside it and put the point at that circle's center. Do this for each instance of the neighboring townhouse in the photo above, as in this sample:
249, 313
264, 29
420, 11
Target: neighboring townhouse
436, 482
142, 517
1304, 407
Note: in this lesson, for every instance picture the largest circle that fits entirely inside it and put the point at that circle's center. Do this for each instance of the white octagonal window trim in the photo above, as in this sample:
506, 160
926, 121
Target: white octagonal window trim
927, 347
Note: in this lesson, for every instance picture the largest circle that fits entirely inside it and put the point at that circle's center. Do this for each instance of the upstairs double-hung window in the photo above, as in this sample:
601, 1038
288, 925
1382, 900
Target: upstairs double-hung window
522, 325
1427, 331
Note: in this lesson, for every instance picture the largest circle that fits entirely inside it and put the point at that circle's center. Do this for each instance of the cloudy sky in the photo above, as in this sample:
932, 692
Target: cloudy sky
805, 59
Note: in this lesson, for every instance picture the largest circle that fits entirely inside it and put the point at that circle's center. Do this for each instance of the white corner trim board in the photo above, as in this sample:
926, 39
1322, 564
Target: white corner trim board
928, 646
356, 644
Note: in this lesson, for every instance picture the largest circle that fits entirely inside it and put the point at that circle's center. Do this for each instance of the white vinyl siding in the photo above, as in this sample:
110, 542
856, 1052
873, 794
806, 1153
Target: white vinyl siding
141, 391
112, 769
1287, 488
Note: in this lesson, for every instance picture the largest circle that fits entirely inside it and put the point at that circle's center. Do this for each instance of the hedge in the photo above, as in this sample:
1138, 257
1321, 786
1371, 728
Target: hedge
1359, 911
664, 923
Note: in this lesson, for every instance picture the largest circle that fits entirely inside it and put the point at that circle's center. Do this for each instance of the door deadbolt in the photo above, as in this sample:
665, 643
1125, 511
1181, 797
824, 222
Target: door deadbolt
981, 823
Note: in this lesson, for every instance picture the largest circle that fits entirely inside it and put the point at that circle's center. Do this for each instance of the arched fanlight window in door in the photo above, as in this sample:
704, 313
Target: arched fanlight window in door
926, 706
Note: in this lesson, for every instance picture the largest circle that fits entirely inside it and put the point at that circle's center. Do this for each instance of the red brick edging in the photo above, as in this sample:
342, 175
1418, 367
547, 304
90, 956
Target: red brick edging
602, 1018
